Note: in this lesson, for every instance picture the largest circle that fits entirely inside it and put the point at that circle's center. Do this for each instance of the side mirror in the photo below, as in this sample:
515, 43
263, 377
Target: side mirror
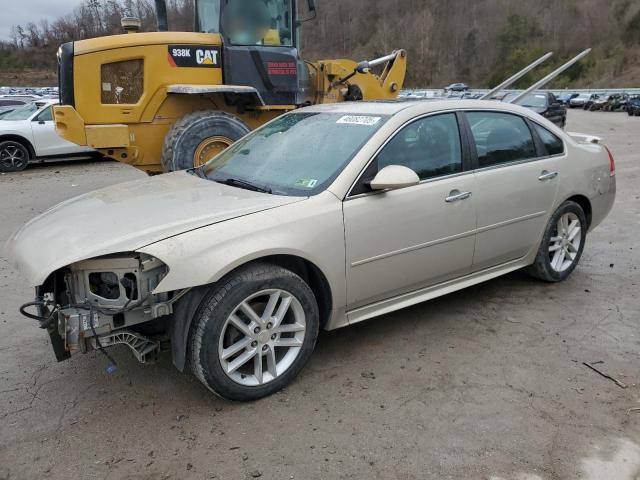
394, 177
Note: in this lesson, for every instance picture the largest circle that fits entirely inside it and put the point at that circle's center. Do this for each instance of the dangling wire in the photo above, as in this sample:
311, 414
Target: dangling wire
45, 322
112, 367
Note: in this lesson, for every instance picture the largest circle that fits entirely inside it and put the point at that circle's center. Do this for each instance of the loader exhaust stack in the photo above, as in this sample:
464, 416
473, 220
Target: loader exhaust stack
161, 16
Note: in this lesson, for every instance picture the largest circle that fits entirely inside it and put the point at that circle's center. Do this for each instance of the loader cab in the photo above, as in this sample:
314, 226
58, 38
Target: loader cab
260, 47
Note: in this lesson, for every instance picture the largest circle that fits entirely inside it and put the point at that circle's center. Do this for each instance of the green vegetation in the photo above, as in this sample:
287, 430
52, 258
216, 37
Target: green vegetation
632, 30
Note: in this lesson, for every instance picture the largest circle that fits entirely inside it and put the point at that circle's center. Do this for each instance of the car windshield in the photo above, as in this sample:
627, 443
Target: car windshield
298, 154
534, 100
24, 112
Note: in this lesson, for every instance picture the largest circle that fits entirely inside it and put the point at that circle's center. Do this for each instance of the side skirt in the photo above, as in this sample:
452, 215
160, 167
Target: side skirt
408, 299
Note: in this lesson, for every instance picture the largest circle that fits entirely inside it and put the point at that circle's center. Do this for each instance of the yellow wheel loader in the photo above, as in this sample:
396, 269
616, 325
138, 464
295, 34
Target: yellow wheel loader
165, 101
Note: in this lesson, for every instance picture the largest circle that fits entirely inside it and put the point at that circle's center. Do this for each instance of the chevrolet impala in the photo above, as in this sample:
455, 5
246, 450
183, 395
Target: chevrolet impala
325, 217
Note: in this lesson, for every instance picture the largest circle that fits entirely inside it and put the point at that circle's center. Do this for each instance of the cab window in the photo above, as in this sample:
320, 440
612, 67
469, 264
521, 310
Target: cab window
257, 22
431, 147
500, 138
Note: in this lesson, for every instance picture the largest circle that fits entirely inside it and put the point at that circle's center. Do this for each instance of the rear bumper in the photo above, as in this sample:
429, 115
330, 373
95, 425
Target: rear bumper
602, 204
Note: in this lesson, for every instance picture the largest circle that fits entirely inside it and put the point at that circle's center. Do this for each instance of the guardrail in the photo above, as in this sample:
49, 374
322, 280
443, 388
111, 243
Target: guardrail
440, 92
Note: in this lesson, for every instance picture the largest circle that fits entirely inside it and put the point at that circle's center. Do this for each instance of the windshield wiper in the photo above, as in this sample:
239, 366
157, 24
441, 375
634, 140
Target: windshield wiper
234, 182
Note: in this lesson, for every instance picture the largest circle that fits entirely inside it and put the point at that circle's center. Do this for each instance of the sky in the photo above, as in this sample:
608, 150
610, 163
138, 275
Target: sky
25, 11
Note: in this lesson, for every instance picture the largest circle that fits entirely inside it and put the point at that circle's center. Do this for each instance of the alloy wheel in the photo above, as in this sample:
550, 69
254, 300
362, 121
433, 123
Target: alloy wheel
12, 156
262, 337
564, 245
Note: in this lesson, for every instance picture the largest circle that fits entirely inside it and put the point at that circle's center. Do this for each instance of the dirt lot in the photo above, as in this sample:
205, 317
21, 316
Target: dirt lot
486, 383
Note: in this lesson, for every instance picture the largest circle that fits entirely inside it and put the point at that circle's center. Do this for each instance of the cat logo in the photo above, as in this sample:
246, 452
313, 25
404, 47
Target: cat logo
207, 57
189, 56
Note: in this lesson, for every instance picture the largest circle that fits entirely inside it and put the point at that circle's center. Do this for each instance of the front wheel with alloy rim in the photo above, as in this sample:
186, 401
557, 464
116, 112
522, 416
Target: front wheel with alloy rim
14, 157
562, 244
254, 332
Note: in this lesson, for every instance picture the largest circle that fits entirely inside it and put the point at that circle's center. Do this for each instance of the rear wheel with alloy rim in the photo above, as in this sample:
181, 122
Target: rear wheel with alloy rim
14, 156
254, 332
562, 244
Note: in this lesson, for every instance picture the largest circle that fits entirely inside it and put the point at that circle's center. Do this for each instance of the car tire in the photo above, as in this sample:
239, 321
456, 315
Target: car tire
243, 356
198, 137
14, 156
561, 247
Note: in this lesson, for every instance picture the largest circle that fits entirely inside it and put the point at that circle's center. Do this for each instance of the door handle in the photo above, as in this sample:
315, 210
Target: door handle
456, 196
547, 175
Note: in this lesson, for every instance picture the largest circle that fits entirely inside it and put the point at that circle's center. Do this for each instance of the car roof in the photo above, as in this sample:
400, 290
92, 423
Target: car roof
46, 101
392, 107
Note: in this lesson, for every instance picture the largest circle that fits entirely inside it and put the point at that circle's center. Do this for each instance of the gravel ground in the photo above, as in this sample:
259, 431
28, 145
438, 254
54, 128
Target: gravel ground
486, 383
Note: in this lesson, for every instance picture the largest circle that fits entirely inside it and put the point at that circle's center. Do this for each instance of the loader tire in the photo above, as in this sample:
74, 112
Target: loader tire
198, 137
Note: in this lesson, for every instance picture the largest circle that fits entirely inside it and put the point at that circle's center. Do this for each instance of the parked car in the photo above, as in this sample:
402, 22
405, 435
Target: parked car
617, 101
633, 107
599, 103
28, 134
579, 101
419, 94
543, 103
325, 217
592, 98
457, 87
566, 98
15, 100
500, 95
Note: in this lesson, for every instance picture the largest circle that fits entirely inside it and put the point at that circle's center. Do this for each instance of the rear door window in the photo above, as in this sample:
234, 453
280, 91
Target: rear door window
500, 138
553, 144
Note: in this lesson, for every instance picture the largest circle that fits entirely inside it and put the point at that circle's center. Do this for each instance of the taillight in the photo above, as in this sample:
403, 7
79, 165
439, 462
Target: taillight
612, 162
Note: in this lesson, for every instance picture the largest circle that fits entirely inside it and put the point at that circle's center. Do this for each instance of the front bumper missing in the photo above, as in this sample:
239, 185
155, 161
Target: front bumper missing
57, 341
140, 346
83, 330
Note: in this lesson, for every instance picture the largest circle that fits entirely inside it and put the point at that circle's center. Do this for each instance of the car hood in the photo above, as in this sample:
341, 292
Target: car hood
126, 217
11, 124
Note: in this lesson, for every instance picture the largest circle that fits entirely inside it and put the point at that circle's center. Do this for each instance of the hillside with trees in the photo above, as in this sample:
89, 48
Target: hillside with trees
479, 42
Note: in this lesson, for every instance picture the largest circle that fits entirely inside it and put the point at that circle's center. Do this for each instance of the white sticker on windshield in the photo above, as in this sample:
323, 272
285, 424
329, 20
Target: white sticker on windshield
306, 183
359, 120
